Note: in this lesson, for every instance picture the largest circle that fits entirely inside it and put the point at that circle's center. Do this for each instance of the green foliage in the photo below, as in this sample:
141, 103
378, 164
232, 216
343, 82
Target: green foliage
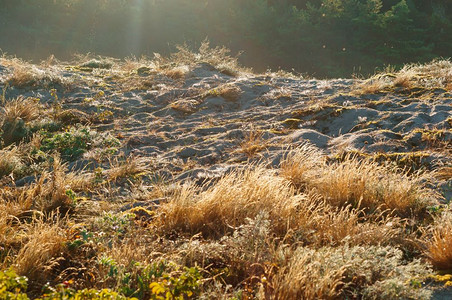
75, 141
161, 280
12, 286
63, 291
181, 287
71, 144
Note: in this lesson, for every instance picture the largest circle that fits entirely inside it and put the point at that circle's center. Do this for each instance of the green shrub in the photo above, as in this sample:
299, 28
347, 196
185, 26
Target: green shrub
72, 143
163, 280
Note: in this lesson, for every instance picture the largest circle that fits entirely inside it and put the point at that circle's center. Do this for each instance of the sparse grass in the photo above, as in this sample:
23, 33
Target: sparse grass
51, 193
219, 57
26, 75
242, 196
436, 74
316, 226
230, 92
15, 117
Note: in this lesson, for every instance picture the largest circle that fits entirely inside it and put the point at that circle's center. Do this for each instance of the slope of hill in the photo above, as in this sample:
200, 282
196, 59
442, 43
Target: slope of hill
192, 177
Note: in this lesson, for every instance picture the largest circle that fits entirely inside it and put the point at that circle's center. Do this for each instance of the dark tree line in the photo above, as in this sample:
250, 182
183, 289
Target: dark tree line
321, 37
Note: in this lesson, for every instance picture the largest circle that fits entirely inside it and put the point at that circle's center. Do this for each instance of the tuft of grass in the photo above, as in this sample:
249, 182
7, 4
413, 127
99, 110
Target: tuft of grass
10, 161
42, 252
50, 194
131, 166
26, 75
436, 74
229, 92
439, 242
253, 143
219, 57
298, 164
15, 117
361, 183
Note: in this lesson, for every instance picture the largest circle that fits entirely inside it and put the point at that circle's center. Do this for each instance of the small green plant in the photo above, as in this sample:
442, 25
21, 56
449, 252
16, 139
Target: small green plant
56, 104
161, 280
81, 238
184, 286
75, 141
12, 286
71, 144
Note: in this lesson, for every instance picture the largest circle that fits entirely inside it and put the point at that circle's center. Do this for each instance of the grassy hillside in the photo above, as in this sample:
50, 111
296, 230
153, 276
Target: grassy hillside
191, 177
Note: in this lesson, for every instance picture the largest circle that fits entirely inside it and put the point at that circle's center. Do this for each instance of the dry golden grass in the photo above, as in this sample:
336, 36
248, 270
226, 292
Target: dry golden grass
230, 92
228, 203
26, 109
373, 85
439, 242
405, 79
444, 173
10, 160
307, 276
298, 164
129, 167
26, 75
253, 143
178, 72
48, 194
241, 196
41, 253
360, 183
436, 74
219, 57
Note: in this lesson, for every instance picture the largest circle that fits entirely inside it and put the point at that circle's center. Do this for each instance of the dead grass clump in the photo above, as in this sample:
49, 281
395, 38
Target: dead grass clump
23, 108
42, 252
10, 161
51, 193
371, 186
348, 272
253, 143
26, 75
131, 166
176, 73
405, 79
297, 165
238, 197
219, 57
436, 74
362, 183
227, 204
374, 85
444, 173
230, 92
439, 242
14, 117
